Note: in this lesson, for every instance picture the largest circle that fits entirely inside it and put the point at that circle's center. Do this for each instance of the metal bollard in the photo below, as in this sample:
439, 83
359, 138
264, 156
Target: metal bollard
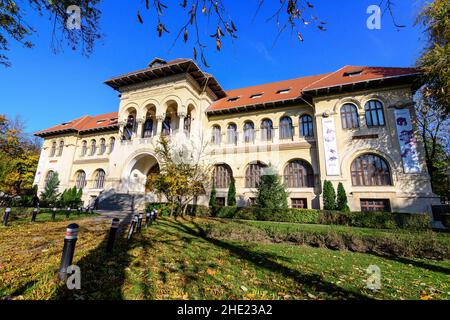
112, 234
68, 212
148, 220
6, 216
79, 211
53, 214
155, 215
70, 240
139, 225
132, 227
33, 216
91, 209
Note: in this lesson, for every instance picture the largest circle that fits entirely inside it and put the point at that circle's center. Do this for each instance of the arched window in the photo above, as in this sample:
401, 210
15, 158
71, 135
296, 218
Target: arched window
99, 180
306, 126
93, 147
53, 150
216, 135
232, 134
81, 179
222, 176
166, 126
129, 128
148, 129
102, 146
112, 143
370, 170
266, 130
48, 177
374, 113
298, 174
253, 174
349, 116
249, 132
286, 128
61, 148
84, 148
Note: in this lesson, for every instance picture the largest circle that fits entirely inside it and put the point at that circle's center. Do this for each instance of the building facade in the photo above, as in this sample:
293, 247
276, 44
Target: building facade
356, 125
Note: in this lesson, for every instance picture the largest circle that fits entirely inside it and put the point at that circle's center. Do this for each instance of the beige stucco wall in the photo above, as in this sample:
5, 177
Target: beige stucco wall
178, 96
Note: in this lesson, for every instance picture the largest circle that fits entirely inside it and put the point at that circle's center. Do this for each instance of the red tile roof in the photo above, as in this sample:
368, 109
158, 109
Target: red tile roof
298, 87
83, 124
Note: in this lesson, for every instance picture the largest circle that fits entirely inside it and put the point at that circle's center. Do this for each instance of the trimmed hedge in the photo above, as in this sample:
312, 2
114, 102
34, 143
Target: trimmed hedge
380, 220
192, 210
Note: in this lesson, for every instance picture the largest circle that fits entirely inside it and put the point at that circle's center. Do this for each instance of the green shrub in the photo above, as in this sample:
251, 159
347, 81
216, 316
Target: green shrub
341, 200
163, 208
197, 210
231, 197
271, 193
380, 220
329, 196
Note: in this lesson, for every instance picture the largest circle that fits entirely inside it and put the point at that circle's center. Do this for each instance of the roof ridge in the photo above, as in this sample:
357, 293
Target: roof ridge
279, 81
323, 78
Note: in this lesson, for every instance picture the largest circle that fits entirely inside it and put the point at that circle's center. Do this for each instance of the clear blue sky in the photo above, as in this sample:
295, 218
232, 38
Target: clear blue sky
46, 89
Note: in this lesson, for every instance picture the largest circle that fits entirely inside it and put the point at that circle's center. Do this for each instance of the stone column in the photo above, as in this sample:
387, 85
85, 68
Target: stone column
122, 125
140, 125
181, 115
276, 134
159, 121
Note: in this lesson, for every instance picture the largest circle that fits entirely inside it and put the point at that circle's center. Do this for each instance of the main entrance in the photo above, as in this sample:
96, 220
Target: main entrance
143, 167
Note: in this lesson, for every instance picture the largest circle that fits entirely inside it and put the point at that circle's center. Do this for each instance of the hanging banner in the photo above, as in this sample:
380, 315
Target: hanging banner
40, 167
331, 155
407, 141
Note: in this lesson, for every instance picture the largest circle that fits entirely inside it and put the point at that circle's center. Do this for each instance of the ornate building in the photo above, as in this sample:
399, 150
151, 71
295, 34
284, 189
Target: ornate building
355, 125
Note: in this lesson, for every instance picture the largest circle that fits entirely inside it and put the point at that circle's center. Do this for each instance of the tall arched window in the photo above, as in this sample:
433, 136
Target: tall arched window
298, 174
148, 129
370, 170
53, 150
286, 128
81, 179
166, 129
102, 146
99, 180
61, 148
232, 136
48, 177
216, 135
84, 148
266, 130
374, 113
306, 126
93, 147
349, 116
253, 174
249, 132
222, 176
112, 144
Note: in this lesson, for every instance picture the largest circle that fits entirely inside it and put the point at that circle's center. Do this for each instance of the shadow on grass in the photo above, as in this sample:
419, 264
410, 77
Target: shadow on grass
102, 274
314, 283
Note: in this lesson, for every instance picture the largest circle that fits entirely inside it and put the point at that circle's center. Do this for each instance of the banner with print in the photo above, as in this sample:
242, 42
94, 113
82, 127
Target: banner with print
330, 144
407, 141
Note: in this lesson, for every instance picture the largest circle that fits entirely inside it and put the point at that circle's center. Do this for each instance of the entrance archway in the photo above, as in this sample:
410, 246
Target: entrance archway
137, 171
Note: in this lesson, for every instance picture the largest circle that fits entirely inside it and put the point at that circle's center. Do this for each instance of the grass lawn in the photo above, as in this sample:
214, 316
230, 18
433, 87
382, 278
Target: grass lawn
174, 259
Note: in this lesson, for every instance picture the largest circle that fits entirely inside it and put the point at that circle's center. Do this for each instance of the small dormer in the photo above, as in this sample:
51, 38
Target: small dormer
156, 62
